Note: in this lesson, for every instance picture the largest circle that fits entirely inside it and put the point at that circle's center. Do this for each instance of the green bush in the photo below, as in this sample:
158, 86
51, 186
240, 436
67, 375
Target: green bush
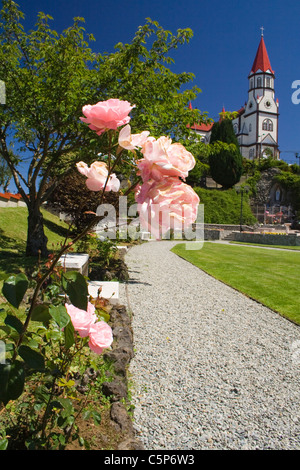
226, 164
224, 207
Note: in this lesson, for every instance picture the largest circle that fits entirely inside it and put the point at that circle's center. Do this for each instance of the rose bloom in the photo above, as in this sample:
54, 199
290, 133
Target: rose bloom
162, 158
132, 141
82, 320
101, 337
106, 115
97, 175
166, 204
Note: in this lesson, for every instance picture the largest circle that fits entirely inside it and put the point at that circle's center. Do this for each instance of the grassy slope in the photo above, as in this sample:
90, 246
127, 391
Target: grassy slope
224, 207
13, 234
269, 276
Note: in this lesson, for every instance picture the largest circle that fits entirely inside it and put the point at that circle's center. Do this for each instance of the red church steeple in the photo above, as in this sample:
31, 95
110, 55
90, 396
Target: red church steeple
261, 61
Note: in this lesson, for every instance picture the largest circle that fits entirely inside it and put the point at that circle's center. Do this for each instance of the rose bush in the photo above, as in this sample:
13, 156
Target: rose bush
164, 201
86, 324
67, 318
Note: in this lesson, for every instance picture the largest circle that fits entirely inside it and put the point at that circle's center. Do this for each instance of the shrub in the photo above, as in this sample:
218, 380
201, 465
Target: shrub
226, 164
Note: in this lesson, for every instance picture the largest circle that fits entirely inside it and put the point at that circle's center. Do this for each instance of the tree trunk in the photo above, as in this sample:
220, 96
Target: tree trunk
36, 238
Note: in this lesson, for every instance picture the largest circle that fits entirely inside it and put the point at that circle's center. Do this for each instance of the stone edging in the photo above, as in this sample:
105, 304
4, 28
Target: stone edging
117, 389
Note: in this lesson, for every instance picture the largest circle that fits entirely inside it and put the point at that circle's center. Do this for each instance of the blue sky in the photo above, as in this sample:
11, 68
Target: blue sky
220, 54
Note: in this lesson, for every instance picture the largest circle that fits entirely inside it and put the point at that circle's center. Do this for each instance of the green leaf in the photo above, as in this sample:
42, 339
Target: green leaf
14, 323
12, 379
92, 414
69, 335
9, 347
42, 394
3, 444
33, 359
103, 315
6, 329
67, 404
41, 314
96, 417
14, 289
60, 315
75, 286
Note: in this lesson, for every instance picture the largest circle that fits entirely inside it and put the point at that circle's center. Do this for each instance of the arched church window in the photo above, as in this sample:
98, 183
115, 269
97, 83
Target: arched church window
251, 83
268, 82
251, 153
267, 125
250, 127
259, 82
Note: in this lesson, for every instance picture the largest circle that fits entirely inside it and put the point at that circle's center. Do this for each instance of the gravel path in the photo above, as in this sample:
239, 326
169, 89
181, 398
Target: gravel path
213, 369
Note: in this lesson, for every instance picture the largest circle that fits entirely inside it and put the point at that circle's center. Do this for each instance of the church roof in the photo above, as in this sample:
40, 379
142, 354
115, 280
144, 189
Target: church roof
201, 127
261, 61
204, 127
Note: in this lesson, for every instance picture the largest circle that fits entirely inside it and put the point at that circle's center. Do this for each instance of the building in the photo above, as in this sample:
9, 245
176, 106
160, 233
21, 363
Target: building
256, 125
202, 130
11, 200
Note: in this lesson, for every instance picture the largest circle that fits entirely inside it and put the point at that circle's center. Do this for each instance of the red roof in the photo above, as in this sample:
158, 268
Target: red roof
10, 195
202, 127
261, 61
5, 195
241, 110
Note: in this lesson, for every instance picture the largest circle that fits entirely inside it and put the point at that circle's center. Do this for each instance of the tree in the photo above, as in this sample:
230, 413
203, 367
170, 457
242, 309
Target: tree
5, 174
47, 79
225, 160
226, 164
223, 131
141, 75
50, 76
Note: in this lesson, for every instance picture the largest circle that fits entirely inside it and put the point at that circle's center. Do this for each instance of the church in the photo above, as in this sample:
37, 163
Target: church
256, 124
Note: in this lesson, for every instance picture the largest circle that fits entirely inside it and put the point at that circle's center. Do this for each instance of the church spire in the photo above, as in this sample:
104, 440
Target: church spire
261, 61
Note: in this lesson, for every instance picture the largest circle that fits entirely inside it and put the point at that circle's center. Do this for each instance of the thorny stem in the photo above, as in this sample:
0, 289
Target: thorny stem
45, 277
45, 417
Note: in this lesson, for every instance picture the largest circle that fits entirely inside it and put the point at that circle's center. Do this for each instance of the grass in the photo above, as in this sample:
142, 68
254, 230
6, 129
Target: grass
224, 206
282, 247
269, 276
13, 235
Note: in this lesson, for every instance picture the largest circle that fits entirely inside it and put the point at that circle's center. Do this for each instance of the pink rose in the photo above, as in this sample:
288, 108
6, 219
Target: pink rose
162, 158
97, 175
101, 337
132, 141
166, 204
106, 115
82, 320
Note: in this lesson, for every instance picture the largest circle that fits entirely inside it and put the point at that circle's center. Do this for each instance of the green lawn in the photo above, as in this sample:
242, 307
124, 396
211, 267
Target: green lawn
270, 276
283, 247
13, 234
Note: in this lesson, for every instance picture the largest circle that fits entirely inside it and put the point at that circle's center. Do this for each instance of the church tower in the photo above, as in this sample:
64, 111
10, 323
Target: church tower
256, 126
